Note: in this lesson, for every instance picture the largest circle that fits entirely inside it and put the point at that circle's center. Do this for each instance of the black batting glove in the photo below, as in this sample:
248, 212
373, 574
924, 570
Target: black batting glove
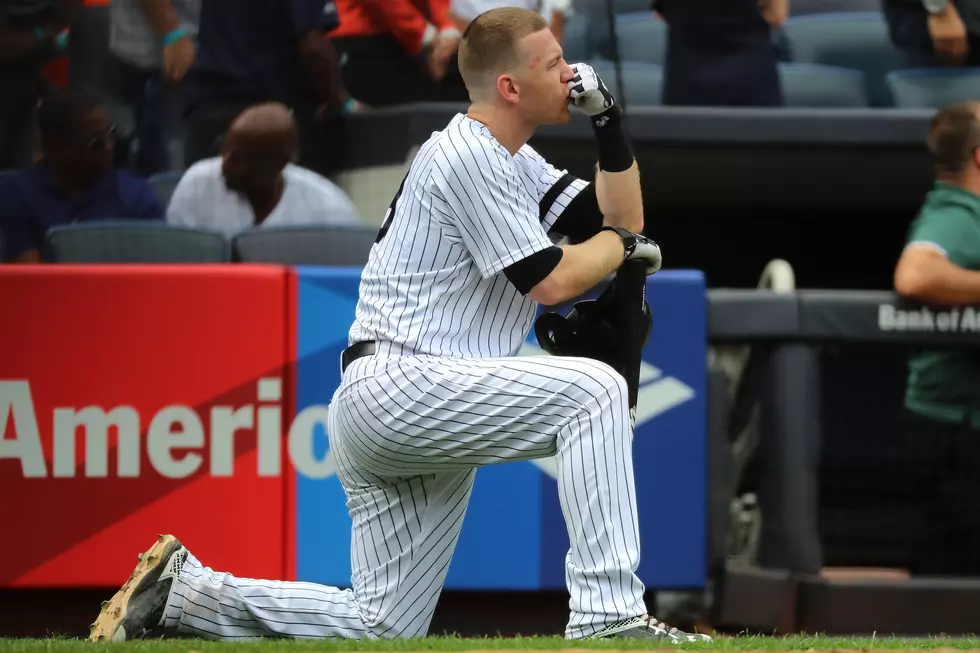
638, 246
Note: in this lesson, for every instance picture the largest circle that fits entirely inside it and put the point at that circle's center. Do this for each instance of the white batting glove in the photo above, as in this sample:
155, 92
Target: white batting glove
587, 92
639, 247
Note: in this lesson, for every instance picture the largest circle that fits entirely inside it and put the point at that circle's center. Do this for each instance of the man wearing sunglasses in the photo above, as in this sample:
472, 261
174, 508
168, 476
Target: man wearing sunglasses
75, 181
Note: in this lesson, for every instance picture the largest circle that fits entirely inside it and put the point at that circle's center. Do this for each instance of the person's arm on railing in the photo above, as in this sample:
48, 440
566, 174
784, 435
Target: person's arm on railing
925, 274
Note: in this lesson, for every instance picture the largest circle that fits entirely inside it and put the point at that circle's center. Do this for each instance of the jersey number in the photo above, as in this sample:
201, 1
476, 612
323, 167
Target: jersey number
391, 212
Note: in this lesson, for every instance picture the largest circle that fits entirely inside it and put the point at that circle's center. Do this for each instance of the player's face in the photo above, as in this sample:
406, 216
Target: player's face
545, 84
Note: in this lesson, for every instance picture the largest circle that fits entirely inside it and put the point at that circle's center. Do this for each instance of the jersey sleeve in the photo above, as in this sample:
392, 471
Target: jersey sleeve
496, 218
951, 232
555, 188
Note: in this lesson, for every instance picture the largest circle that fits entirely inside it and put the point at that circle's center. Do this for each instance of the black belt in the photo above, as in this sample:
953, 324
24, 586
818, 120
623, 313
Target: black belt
355, 351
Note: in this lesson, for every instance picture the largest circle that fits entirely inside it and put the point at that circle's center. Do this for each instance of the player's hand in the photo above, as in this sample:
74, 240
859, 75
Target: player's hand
587, 92
639, 247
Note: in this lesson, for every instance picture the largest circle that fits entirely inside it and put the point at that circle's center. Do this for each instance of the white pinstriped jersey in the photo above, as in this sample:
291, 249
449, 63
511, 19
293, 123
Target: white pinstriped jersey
466, 210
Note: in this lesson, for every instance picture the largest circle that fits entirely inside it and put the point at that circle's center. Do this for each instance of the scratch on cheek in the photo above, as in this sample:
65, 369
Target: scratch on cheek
534, 64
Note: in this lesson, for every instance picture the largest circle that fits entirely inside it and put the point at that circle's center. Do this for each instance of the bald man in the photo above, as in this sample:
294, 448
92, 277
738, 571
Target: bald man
255, 182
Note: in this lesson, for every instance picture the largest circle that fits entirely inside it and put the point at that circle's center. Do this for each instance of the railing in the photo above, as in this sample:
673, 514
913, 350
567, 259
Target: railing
822, 392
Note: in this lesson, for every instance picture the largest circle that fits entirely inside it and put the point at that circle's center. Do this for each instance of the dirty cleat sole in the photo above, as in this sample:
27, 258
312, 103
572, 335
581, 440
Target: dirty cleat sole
139, 605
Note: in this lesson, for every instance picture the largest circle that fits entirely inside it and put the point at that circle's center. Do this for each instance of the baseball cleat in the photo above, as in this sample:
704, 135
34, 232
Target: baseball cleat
646, 627
140, 604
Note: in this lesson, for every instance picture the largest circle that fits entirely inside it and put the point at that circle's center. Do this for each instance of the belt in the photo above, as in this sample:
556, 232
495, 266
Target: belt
355, 351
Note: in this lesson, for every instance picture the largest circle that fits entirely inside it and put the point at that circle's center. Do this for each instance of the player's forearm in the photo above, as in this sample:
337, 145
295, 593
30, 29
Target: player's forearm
620, 199
581, 267
618, 178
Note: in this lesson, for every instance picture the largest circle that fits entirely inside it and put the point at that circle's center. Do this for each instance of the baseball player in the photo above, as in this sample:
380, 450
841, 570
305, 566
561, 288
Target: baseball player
431, 387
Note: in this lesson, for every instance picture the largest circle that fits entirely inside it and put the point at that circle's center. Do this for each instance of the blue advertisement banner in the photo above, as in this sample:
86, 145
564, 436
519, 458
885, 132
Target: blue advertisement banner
514, 536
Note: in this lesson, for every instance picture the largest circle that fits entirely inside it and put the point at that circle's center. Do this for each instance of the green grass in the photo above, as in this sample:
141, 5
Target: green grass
753, 643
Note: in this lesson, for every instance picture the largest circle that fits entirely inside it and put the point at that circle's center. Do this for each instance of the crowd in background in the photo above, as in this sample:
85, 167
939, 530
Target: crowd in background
81, 133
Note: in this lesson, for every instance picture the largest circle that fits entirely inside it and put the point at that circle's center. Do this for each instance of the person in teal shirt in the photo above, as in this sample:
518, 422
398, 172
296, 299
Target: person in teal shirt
940, 266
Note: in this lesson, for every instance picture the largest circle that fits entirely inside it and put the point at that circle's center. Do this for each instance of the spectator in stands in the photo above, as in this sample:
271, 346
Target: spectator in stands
75, 181
30, 36
152, 45
722, 52
254, 182
554, 11
399, 51
935, 32
263, 51
940, 265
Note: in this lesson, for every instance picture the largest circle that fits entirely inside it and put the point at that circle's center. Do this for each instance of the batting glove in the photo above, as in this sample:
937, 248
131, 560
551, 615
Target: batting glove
587, 92
639, 247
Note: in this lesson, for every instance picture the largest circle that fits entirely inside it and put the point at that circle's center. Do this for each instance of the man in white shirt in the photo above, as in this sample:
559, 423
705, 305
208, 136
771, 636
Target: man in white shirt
255, 182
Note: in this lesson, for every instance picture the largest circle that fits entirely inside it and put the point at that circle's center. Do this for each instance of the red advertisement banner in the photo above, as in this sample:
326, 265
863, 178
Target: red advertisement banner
137, 400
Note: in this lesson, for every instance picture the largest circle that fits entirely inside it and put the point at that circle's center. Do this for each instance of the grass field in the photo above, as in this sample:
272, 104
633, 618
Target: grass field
754, 643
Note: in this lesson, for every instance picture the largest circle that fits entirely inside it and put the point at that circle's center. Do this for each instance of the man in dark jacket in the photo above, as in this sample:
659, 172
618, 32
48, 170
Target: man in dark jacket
721, 52
935, 32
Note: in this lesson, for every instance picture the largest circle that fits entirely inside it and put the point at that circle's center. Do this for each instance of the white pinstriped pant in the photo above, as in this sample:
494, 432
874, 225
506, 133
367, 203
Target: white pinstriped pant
407, 434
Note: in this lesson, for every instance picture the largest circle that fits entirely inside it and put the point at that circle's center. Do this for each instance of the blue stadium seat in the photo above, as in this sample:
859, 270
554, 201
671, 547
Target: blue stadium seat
165, 183
134, 241
341, 245
806, 7
630, 6
849, 40
619, 6
642, 38
643, 82
933, 88
813, 85
578, 41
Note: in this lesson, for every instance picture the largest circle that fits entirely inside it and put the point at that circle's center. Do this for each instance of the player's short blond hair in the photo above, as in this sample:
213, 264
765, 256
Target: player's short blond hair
489, 44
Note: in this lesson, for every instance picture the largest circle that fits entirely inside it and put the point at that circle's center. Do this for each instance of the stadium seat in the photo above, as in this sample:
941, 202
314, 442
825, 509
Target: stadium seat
300, 245
850, 40
807, 7
643, 82
578, 43
631, 6
165, 183
933, 88
599, 6
640, 37
134, 241
813, 85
